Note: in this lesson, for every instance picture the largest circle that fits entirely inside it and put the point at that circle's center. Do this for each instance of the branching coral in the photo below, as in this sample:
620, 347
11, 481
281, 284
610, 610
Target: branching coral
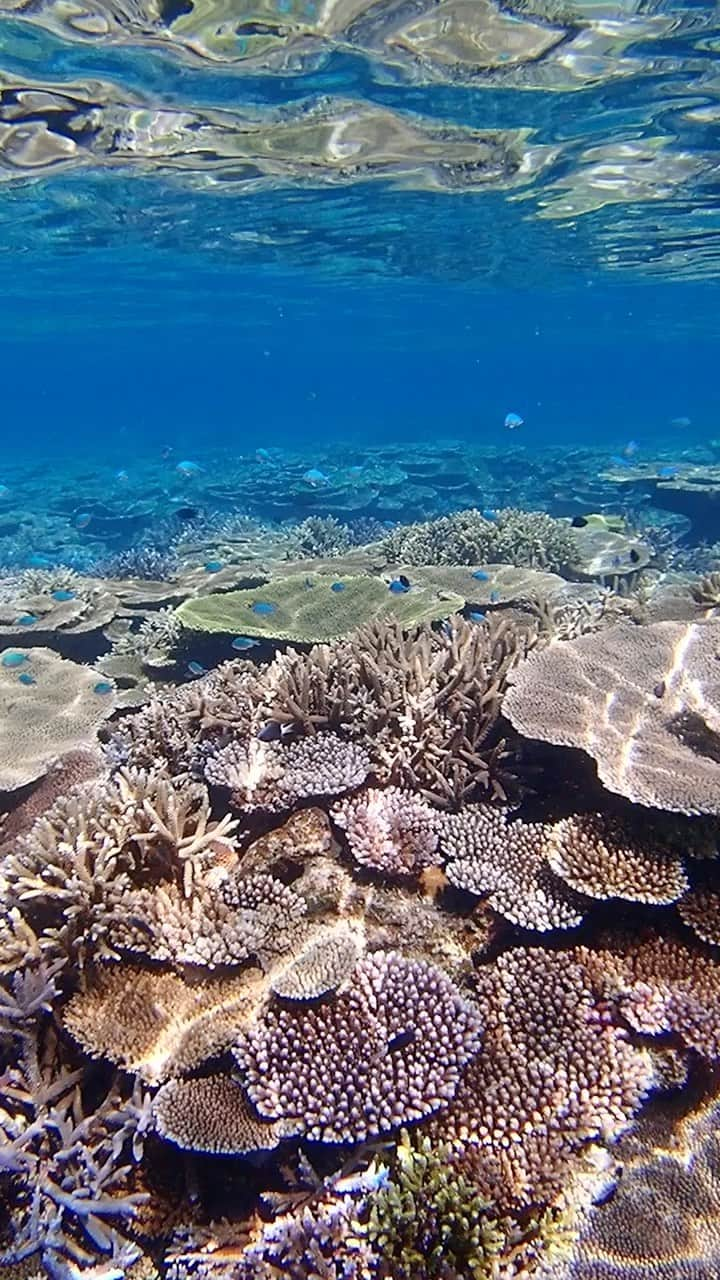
467, 537
73, 877
319, 536
425, 704
389, 1050
429, 1222
392, 831
66, 1167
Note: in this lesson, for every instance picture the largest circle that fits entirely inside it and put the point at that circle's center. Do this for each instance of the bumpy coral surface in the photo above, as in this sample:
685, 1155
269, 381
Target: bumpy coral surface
389, 1050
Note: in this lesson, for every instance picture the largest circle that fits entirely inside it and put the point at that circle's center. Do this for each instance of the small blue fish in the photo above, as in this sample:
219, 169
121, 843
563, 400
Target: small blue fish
494, 597
476, 616
315, 476
513, 420
122, 476
262, 455
186, 468
337, 586
263, 607
489, 513
244, 642
102, 687
4, 491
617, 461
36, 561
481, 576
14, 659
680, 422
26, 620
82, 520
630, 449
26, 678
61, 595
213, 566
196, 669
667, 473
400, 585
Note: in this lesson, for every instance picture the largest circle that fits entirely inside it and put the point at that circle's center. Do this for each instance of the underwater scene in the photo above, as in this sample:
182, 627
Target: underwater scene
360, 640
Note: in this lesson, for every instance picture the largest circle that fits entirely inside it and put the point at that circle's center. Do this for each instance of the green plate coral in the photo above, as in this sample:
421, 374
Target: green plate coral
309, 610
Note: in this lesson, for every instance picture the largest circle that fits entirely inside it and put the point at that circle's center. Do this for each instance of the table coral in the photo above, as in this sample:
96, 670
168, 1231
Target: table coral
58, 711
389, 1050
643, 702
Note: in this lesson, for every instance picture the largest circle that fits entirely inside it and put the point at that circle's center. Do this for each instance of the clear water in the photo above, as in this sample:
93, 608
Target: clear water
279, 221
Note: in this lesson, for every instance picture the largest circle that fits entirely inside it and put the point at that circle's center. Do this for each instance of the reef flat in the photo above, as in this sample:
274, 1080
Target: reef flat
359, 867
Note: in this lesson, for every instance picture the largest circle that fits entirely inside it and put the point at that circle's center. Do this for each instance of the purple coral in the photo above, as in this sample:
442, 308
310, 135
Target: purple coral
388, 1052
392, 831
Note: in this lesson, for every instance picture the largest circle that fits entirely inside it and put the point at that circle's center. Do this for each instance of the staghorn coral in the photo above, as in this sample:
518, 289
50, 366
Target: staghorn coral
72, 879
604, 858
490, 854
643, 702
60, 710
212, 1114
318, 536
66, 1167
554, 1074
706, 591
158, 1024
274, 776
392, 831
388, 1051
511, 537
429, 1222
42, 582
424, 704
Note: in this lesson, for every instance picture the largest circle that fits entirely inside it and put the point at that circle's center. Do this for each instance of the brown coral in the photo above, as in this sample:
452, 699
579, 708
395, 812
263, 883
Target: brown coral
425, 704
324, 964
272, 775
157, 1024
699, 908
644, 702
212, 1114
553, 1075
605, 858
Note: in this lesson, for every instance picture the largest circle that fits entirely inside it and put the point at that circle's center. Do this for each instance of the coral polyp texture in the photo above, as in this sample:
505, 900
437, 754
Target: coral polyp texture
388, 1051
643, 702
326, 962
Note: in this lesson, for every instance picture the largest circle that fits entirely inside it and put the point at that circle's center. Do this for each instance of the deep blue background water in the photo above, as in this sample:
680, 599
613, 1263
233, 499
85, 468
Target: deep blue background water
291, 361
